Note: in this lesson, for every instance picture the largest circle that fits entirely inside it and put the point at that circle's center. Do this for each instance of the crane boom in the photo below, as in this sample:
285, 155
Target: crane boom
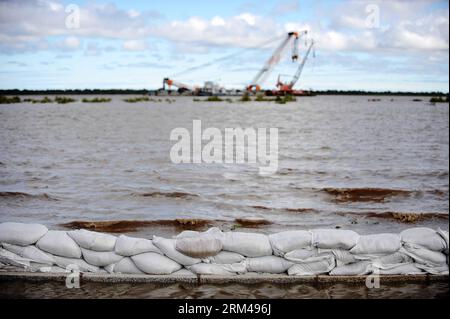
261, 76
301, 66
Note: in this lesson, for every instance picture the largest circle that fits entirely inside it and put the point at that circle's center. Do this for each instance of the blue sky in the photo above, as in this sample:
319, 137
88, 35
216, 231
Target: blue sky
376, 45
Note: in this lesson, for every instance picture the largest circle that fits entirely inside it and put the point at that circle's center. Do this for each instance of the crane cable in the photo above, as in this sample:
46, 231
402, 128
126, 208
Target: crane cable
224, 58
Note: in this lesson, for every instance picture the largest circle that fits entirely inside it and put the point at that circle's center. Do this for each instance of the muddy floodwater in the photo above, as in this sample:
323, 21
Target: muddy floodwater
249, 291
344, 162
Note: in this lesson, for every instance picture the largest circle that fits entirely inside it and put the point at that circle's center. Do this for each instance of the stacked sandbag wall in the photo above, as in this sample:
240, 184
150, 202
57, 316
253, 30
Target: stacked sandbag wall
334, 252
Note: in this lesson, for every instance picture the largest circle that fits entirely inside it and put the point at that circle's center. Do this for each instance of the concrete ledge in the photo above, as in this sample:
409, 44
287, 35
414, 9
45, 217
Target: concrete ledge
241, 279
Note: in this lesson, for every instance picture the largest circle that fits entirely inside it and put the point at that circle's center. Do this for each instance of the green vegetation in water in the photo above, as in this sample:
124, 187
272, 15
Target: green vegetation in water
96, 100
439, 99
285, 99
214, 98
9, 100
245, 98
43, 101
64, 100
138, 99
262, 98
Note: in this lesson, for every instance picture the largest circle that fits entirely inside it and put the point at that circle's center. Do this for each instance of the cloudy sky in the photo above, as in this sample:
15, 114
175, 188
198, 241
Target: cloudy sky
369, 45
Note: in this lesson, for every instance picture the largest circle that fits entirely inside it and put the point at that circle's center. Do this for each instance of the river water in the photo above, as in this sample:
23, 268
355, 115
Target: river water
344, 161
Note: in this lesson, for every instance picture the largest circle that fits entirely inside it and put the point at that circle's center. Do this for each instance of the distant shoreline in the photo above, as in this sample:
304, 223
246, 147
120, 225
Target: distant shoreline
140, 92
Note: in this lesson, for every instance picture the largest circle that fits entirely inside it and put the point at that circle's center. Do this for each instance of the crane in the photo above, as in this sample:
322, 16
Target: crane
262, 75
179, 85
287, 88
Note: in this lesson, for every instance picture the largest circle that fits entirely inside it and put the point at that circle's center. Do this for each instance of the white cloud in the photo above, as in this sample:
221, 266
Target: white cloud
135, 45
72, 42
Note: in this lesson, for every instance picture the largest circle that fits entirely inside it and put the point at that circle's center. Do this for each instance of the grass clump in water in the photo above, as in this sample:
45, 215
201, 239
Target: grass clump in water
64, 100
96, 100
214, 98
137, 99
245, 98
439, 99
9, 100
44, 100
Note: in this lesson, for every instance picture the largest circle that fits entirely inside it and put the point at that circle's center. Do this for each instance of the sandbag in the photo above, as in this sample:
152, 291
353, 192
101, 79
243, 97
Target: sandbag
444, 235
313, 268
100, 258
38, 267
187, 234
334, 238
75, 264
93, 240
129, 246
405, 269
342, 256
268, 264
32, 253
155, 264
394, 259
377, 244
21, 234
224, 257
199, 247
287, 241
354, 269
210, 269
425, 237
167, 246
424, 256
434, 270
247, 244
9, 258
58, 243
301, 255
124, 266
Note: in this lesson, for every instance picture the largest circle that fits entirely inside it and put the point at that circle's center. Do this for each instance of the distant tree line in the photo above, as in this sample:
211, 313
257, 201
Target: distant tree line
143, 91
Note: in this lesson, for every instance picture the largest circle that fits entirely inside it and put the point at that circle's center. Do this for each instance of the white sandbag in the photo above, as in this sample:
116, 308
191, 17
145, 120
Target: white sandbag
38, 267
93, 240
167, 246
21, 234
75, 264
9, 258
404, 269
247, 244
183, 273
342, 256
32, 253
355, 269
444, 235
334, 238
130, 246
155, 264
58, 243
434, 270
287, 241
224, 257
124, 266
210, 269
425, 237
301, 255
100, 258
424, 256
377, 244
268, 264
199, 247
313, 268
187, 234
392, 260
